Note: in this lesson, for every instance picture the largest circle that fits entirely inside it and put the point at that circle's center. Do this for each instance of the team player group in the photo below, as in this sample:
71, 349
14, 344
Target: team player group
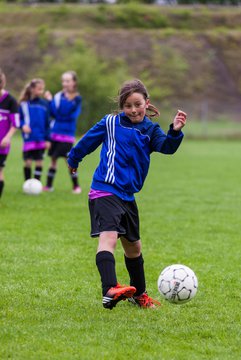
47, 123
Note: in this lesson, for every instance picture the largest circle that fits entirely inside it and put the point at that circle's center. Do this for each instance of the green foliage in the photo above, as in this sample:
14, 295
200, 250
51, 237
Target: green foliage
186, 56
135, 16
98, 80
132, 15
170, 67
124, 15
50, 304
43, 37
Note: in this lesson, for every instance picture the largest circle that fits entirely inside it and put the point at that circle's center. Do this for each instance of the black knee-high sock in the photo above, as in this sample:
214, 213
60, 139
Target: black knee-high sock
38, 172
1, 187
74, 178
135, 267
105, 262
27, 172
50, 177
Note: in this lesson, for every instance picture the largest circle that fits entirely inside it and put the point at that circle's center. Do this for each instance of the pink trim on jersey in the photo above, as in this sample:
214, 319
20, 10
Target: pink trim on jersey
33, 145
95, 194
63, 138
4, 151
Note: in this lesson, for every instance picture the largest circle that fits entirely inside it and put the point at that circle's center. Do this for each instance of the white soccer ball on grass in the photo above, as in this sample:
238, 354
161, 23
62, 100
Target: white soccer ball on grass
32, 187
177, 283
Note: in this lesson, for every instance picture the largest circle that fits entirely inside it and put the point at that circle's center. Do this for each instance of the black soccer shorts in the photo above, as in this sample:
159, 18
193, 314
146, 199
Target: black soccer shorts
110, 213
3, 158
34, 154
59, 149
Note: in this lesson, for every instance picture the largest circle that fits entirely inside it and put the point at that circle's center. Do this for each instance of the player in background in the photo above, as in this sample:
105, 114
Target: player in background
34, 123
9, 121
127, 139
65, 108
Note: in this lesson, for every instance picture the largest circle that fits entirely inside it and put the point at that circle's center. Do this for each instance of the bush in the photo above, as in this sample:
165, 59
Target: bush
98, 80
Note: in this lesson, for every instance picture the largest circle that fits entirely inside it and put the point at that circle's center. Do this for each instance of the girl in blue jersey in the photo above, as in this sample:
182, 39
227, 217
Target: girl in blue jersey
128, 139
65, 108
34, 123
9, 121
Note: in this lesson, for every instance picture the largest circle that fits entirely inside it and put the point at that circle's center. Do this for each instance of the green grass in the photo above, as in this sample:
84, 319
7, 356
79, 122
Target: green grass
219, 129
50, 299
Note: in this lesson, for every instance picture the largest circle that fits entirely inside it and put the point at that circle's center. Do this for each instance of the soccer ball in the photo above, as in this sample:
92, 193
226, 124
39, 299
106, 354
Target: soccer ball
32, 187
177, 283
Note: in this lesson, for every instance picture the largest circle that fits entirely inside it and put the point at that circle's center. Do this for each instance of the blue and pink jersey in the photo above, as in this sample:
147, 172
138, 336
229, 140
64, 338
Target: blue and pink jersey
35, 114
9, 117
65, 114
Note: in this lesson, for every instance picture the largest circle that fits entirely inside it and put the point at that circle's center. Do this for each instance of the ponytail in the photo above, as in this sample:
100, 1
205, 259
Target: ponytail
152, 111
26, 93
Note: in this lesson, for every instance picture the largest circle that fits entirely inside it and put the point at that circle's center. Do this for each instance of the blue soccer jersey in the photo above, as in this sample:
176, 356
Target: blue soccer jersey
125, 153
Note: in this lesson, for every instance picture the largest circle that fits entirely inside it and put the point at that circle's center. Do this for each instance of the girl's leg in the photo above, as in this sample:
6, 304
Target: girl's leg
105, 260
1, 181
51, 173
75, 182
27, 169
38, 169
134, 264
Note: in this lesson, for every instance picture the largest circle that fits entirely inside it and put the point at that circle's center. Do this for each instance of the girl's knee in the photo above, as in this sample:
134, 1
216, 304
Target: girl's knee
107, 241
132, 249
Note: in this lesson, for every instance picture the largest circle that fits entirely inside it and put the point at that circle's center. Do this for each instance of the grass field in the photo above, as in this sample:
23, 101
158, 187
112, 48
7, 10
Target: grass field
50, 299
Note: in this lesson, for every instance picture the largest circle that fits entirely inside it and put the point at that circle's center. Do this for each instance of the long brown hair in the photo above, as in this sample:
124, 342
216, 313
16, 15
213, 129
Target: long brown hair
135, 86
26, 93
2, 79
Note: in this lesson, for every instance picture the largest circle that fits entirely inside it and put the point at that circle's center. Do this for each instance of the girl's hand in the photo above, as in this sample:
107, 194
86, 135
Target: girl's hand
48, 96
179, 120
72, 170
26, 129
5, 142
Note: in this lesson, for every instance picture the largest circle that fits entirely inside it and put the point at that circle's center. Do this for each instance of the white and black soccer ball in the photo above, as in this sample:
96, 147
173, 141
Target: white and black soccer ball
32, 187
177, 283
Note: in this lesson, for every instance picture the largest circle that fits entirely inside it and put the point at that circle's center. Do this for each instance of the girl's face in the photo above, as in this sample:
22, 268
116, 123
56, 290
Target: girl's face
68, 83
38, 90
135, 107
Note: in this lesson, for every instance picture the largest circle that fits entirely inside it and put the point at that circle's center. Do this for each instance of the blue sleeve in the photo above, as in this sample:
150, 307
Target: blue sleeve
52, 108
165, 143
79, 105
47, 124
89, 142
22, 119
77, 110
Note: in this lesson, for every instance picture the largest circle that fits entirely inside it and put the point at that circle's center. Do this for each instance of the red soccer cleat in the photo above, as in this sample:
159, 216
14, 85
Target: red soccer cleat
117, 293
144, 301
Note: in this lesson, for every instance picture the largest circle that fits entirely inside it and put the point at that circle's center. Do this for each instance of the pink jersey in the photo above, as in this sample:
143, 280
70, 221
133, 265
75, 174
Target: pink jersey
9, 117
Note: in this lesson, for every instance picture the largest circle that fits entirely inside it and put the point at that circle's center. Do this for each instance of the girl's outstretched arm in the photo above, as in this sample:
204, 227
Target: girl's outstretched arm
169, 143
89, 142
